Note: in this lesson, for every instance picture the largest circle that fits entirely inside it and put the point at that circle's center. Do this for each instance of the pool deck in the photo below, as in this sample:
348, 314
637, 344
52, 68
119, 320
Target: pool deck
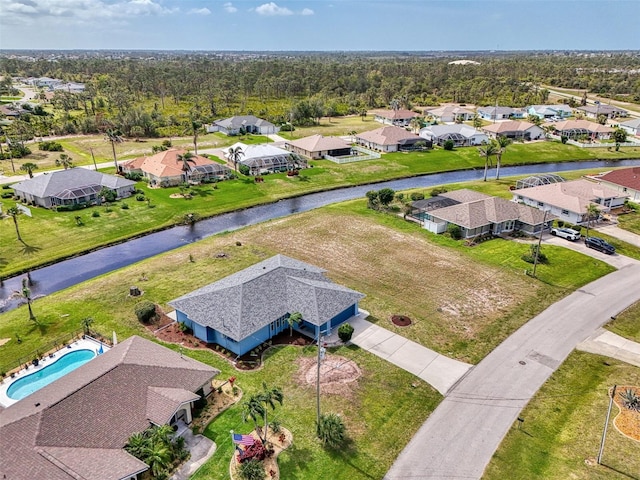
80, 344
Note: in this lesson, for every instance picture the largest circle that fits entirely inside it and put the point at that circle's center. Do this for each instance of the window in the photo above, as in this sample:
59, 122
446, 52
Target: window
565, 212
541, 204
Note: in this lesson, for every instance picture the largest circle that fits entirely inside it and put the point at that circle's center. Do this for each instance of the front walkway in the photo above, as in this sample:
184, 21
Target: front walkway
437, 370
604, 342
201, 449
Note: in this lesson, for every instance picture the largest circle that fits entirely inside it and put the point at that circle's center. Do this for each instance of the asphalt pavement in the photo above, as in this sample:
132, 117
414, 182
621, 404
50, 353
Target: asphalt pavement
459, 438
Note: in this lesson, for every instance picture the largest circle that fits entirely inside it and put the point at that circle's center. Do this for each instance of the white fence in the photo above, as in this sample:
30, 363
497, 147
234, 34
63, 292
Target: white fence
364, 155
596, 145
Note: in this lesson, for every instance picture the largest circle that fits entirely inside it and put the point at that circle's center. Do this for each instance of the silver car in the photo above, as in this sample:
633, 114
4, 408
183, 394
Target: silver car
567, 233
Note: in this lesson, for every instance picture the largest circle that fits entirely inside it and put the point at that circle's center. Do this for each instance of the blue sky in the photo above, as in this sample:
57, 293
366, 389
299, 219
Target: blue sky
320, 24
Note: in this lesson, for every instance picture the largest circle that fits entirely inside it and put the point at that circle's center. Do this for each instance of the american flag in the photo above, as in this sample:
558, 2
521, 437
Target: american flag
242, 439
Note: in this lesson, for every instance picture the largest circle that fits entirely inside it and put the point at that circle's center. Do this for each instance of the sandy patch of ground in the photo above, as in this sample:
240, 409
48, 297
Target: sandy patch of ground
627, 422
338, 375
3, 341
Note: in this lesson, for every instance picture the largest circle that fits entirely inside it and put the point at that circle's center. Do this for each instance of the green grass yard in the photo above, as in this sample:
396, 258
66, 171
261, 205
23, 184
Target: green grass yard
627, 324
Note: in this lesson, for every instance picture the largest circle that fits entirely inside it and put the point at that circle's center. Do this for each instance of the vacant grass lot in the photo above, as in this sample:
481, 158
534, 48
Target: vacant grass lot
560, 437
627, 324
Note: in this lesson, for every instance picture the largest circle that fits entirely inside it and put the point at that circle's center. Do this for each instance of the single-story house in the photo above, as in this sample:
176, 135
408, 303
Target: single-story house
478, 214
399, 118
77, 426
632, 126
609, 111
577, 128
449, 113
514, 129
549, 111
389, 139
500, 113
246, 309
243, 124
625, 181
461, 135
265, 157
71, 187
569, 200
316, 147
165, 168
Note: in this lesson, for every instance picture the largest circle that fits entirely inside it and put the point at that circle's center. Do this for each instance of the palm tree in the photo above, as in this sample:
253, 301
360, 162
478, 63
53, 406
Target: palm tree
14, 212
268, 397
293, 162
26, 293
158, 456
592, 213
416, 124
235, 154
253, 409
194, 129
487, 152
294, 319
114, 136
65, 161
395, 104
186, 158
331, 430
503, 143
136, 444
29, 168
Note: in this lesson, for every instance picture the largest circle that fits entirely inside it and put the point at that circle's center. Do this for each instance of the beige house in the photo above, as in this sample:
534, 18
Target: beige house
515, 130
399, 118
577, 128
316, 147
164, 169
388, 139
76, 427
569, 200
450, 113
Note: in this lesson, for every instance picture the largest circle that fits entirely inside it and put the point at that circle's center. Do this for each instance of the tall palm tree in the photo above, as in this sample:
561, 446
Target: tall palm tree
65, 161
253, 409
194, 129
395, 104
268, 397
503, 143
294, 319
26, 293
235, 154
487, 152
29, 168
416, 124
14, 212
186, 158
114, 136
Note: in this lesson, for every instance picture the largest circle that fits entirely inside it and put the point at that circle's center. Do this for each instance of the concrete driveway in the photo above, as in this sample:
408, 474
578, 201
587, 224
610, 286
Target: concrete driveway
462, 434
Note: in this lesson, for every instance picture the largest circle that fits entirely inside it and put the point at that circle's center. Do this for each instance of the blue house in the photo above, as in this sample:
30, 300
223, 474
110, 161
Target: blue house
244, 310
550, 111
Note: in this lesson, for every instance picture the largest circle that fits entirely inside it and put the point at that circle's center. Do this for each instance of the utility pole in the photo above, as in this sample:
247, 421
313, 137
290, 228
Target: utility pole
320, 358
606, 425
95, 166
535, 258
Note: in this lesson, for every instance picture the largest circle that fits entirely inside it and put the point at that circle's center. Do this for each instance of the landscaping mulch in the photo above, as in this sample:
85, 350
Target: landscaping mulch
628, 421
401, 320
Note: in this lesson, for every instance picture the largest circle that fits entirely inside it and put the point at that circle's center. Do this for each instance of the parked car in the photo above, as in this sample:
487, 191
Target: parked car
568, 233
599, 244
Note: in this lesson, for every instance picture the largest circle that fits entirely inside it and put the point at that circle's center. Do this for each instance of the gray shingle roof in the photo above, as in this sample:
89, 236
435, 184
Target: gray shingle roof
95, 408
243, 303
53, 183
242, 121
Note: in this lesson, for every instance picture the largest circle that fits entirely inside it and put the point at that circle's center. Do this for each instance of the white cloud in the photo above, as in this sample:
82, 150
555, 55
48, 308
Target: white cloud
200, 11
271, 9
229, 8
307, 11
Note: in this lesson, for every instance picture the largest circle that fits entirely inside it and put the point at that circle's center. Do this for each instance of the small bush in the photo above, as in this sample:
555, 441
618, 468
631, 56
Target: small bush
140, 198
134, 177
146, 311
415, 196
95, 214
7, 195
531, 255
437, 191
448, 145
124, 206
252, 470
50, 146
454, 231
244, 169
345, 331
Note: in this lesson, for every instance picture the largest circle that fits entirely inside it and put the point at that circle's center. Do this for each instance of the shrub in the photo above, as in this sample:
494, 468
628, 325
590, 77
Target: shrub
564, 139
244, 170
134, 177
50, 146
448, 145
331, 430
124, 206
386, 196
531, 255
287, 127
437, 191
108, 194
252, 470
145, 311
95, 214
454, 231
417, 196
140, 197
345, 331
7, 195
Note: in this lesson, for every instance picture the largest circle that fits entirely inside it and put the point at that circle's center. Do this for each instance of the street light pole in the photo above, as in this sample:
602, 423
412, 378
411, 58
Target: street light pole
535, 258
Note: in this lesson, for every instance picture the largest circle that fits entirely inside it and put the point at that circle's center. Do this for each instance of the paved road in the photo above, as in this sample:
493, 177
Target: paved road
459, 438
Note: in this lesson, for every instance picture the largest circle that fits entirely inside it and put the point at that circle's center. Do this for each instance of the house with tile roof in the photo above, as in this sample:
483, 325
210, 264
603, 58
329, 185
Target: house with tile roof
243, 124
460, 134
400, 117
514, 129
316, 147
74, 186
389, 139
246, 309
76, 427
626, 181
265, 157
569, 200
549, 111
500, 113
164, 169
574, 129
609, 111
632, 126
477, 214
449, 113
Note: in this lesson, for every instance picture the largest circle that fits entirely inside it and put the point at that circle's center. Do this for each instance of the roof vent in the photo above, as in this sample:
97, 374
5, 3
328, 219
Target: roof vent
37, 404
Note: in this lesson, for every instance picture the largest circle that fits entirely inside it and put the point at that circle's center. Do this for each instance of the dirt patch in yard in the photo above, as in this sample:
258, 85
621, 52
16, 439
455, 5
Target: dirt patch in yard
338, 374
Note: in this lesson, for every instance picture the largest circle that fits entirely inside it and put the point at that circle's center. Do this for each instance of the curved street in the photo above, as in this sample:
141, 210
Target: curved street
459, 438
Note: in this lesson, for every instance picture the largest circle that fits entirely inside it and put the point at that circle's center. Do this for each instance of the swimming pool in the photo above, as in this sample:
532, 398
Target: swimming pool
35, 381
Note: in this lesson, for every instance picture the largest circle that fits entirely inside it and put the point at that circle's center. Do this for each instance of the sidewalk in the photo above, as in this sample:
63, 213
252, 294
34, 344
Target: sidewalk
201, 449
619, 233
437, 370
604, 342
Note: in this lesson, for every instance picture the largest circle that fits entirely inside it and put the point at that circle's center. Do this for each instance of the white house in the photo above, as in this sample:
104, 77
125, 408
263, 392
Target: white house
399, 118
500, 113
388, 139
548, 111
609, 111
450, 113
514, 129
461, 135
243, 124
632, 126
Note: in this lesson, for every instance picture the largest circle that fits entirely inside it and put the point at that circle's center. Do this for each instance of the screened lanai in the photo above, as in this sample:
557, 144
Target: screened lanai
77, 195
537, 180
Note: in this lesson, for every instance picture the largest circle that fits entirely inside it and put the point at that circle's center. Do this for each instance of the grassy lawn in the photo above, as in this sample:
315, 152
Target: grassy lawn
560, 437
630, 222
627, 324
48, 233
